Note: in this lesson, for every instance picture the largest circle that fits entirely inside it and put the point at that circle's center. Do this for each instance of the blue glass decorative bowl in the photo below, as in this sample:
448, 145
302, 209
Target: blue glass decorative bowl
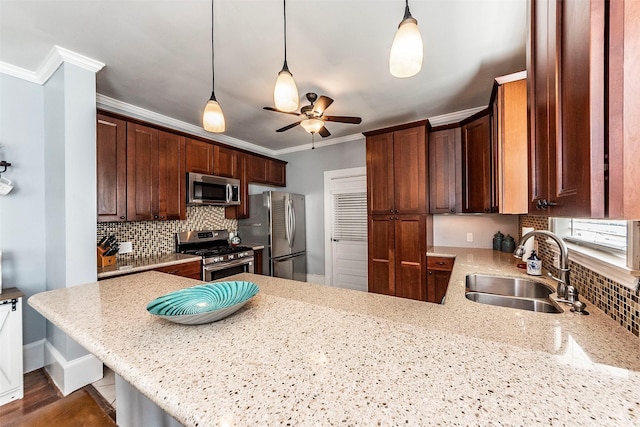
203, 303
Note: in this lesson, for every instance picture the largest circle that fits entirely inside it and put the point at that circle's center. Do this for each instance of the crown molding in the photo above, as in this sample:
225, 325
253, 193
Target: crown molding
320, 144
56, 57
110, 104
454, 117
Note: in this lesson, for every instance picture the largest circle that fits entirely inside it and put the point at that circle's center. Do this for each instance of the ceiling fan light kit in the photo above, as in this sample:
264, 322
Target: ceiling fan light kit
213, 118
312, 125
405, 59
285, 92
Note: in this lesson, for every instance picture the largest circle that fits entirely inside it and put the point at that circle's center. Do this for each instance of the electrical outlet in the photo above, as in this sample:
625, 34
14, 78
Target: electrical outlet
469, 237
125, 248
556, 260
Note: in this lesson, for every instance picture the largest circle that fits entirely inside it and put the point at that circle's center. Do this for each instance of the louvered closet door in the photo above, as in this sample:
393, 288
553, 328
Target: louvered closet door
349, 240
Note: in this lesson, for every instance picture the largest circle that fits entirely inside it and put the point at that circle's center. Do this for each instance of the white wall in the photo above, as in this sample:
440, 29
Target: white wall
451, 230
305, 175
22, 212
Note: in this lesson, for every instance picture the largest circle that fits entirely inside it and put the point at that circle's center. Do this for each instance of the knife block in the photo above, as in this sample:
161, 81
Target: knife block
105, 261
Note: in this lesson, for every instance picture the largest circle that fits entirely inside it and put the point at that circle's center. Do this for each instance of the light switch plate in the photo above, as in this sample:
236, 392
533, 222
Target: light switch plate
469, 237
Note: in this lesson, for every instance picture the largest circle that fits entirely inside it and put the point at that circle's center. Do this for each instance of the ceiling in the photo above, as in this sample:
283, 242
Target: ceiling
158, 56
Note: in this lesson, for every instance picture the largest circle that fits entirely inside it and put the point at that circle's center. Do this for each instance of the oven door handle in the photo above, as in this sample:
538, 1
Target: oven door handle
223, 265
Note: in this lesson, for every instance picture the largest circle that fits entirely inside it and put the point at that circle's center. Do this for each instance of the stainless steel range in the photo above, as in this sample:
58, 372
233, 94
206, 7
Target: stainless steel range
219, 258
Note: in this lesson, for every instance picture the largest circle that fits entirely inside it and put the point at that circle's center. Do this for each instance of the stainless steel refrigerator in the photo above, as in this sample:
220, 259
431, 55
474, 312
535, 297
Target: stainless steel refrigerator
276, 221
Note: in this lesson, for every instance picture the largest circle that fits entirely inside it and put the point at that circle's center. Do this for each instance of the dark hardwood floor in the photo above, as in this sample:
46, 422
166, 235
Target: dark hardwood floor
39, 391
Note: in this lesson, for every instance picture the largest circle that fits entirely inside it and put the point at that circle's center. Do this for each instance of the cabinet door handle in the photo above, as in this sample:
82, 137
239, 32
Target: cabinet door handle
123, 217
430, 273
452, 210
155, 217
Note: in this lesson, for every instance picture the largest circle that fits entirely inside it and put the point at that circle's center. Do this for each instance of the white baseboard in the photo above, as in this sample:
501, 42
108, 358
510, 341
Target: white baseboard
33, 356
315, 278
70, 375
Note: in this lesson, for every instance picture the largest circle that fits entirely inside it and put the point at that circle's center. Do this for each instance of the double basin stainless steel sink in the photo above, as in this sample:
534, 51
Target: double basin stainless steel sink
512, 292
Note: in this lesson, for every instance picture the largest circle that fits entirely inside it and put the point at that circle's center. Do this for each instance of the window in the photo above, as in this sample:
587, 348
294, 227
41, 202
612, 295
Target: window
608, 247
605, 235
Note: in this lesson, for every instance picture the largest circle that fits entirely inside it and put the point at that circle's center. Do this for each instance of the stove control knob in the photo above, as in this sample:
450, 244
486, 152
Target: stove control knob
216, 259
231, 256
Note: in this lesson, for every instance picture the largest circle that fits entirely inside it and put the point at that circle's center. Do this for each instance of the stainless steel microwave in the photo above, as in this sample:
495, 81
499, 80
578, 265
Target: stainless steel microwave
212, 190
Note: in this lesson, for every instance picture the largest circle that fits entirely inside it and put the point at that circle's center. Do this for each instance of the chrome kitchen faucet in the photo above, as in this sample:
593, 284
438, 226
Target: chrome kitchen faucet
565, 292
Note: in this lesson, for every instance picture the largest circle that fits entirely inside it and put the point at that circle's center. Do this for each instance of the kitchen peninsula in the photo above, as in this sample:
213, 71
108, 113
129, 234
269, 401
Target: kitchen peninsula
305, 354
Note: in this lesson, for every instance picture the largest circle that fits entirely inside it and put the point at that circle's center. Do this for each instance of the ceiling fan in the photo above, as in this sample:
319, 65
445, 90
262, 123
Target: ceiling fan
312, 116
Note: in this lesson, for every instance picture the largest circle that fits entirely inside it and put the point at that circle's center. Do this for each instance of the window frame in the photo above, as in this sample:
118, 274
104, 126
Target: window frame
621, 269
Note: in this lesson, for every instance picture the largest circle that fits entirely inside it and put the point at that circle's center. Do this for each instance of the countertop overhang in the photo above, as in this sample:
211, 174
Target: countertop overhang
303, 354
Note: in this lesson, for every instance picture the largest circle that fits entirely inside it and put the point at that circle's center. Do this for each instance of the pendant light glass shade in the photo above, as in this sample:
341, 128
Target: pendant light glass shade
406, 55
285, 92
312, 125
213, 118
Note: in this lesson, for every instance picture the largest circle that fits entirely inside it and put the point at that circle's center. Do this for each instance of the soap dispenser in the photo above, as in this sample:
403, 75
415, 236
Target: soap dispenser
534, 265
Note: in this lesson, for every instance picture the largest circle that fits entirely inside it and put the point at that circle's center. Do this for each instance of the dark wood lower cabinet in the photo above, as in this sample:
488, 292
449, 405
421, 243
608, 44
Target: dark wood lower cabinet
192, 270
397, 261
438, 276
257, 261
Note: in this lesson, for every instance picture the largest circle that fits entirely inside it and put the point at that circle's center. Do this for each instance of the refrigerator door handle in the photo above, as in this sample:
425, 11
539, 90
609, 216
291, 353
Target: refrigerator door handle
287, 223
292, 215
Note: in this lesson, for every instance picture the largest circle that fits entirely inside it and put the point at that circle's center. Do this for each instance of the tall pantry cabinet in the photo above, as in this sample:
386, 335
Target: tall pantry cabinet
400, 229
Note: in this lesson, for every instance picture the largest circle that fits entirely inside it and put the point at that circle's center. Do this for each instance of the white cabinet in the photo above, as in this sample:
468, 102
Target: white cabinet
11, 383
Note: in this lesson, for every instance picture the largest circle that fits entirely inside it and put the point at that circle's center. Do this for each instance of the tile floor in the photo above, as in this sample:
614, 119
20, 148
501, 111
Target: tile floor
107, 386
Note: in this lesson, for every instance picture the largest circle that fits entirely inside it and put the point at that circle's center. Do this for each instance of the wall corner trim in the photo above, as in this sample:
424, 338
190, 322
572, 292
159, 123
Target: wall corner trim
56, 57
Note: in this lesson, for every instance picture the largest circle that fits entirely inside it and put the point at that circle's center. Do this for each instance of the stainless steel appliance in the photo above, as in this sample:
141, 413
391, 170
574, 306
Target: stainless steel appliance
219, 258
212, 190
277, 221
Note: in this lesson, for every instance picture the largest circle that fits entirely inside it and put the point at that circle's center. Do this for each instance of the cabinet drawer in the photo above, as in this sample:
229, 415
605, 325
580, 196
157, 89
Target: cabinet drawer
189, 269
440, 263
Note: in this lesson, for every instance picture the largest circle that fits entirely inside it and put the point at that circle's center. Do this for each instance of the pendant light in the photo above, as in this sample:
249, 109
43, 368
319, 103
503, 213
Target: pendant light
285, 93
213, 118
405, 59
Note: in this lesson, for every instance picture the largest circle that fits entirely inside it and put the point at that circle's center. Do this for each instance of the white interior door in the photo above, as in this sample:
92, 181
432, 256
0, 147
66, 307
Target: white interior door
346, 228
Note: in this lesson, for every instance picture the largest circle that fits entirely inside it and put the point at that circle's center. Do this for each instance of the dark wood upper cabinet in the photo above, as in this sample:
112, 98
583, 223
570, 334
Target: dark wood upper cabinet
410, 170
225, 162
111, 167
142, 172
171, 176
445, 183
257, 169
566, 69
397, 171
477, 179
624, 109
199, 156
277, 173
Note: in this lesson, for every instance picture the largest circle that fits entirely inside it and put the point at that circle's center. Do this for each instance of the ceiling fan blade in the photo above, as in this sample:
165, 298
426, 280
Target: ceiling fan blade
278, 111
324, 132
343, 119
322, 104
292, 125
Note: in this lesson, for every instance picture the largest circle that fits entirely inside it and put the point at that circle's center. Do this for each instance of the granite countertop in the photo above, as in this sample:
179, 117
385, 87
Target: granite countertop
136, 265
306, 354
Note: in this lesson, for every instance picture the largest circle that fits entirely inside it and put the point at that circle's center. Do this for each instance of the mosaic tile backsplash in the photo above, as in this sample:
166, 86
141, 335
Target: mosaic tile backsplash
158, 237
618, 301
